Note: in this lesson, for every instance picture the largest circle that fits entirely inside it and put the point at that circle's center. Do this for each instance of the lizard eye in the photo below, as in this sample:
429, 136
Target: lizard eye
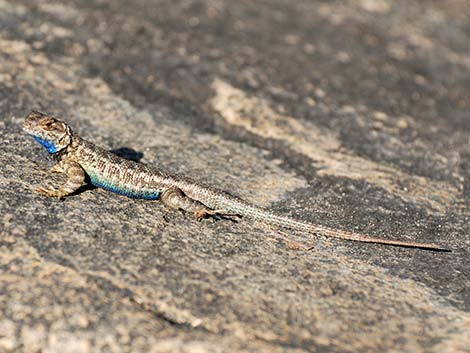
47, 124
52, 125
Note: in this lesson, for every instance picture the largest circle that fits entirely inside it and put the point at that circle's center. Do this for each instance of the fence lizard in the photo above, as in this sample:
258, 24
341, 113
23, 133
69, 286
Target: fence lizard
82, 161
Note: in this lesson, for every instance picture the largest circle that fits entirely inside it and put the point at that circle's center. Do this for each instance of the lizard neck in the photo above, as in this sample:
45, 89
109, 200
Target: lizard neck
69, 150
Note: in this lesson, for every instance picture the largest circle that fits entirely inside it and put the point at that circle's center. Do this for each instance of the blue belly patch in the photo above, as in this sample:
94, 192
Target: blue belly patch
135, 194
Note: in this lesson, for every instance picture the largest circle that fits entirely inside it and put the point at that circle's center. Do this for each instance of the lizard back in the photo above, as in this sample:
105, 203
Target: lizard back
111, 172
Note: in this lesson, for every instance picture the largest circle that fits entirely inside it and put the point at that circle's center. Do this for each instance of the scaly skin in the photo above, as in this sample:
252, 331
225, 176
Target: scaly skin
80, 159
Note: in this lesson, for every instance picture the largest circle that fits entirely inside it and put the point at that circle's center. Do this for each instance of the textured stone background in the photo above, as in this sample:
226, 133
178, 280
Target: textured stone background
350, 114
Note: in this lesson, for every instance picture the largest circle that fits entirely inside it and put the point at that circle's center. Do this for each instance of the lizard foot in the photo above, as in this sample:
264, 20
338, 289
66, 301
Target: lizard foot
49, 192
56, 168
206, 213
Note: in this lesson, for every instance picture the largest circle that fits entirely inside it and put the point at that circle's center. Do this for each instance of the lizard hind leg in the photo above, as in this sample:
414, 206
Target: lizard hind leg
176, 199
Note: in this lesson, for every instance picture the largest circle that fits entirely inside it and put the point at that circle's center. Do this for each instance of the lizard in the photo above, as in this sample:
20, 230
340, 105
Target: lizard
84, 162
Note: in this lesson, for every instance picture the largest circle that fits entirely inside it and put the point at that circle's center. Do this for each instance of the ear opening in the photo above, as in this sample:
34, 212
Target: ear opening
66, 138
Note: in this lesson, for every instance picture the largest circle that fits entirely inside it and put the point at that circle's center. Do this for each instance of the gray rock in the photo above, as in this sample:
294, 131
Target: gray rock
353, 115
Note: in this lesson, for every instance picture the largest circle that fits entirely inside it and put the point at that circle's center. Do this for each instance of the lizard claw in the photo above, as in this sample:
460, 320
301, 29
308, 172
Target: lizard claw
48, 191
205, 213
56, 168
42, 190
199, 215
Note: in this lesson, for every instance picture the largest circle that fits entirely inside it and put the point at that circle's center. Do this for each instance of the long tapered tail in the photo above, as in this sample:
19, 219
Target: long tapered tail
270, 218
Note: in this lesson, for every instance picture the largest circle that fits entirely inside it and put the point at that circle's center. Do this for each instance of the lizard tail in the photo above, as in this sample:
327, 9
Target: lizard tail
260, 215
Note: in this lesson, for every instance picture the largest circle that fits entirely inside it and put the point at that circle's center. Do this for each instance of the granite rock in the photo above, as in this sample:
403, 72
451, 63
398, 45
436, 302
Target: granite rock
353, 115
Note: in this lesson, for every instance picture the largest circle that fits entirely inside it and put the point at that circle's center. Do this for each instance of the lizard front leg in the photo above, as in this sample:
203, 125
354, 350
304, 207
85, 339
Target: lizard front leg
75, 179
176, 199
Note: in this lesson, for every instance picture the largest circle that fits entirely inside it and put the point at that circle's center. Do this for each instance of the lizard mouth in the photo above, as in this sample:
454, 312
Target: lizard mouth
27, 128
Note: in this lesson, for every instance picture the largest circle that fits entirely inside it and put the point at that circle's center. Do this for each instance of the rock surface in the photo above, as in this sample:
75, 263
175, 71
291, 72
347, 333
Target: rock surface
349, 114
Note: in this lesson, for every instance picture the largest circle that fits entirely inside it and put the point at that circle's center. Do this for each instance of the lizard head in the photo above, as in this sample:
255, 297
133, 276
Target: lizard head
52, 133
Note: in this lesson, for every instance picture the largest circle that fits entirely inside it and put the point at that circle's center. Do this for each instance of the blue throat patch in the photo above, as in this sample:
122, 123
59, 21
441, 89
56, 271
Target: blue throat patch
49, 145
